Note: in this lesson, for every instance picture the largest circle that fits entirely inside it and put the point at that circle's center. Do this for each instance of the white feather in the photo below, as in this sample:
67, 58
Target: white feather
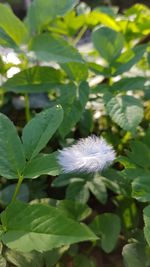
91, 154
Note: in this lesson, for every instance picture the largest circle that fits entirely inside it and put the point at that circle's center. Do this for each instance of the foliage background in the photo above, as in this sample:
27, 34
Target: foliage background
95, 64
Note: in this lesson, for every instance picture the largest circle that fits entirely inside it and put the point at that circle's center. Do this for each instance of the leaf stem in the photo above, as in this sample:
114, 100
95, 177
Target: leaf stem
80, 34
17, 188
27, 108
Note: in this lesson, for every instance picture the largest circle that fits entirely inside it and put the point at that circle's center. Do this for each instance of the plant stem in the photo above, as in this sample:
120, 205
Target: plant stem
80, 34
17, 188
27, 108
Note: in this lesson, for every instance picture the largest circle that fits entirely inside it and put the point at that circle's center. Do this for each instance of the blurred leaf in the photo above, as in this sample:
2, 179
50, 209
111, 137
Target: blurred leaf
146, 215
141, 188
49, 47
70, 24
41, 13
146, 137
3, 262
98, 69
82, 260
111, 11
62, 180
76, 71
125, 110
33, 80
113, 180
128, 59
136, 9
128, 212
14, 31
139, 154
75, 210
108, 43
40, 129
30, 259
134, 255
6, 40
6, 194
78, 191
67, 178
38, 189
98, 189
73, 100
95, 18
12, 158
52, 257
86, 123
133, 173
107, 226
126, 84
38, 227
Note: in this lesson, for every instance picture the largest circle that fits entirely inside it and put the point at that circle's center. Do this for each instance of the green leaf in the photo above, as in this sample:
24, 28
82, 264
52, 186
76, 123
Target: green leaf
52, 257
41, 13
12, 28
86, 123
40, 129
42, 164
73, 100
139, 154
3, 262
76, 71
126, 111
108, 43
99, 70
33, 80
71, 24
146, 213
78, 191
98, 189
128, 59
126, 84
81, 260
111, 11
107, 226
6, 40
30, 259
50, 47
40, 227
132, 173
97, 17
141, 188
12, 158
134, 255
113, 180
146, 137
67, 178
128, 212
62, 180
75, 210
